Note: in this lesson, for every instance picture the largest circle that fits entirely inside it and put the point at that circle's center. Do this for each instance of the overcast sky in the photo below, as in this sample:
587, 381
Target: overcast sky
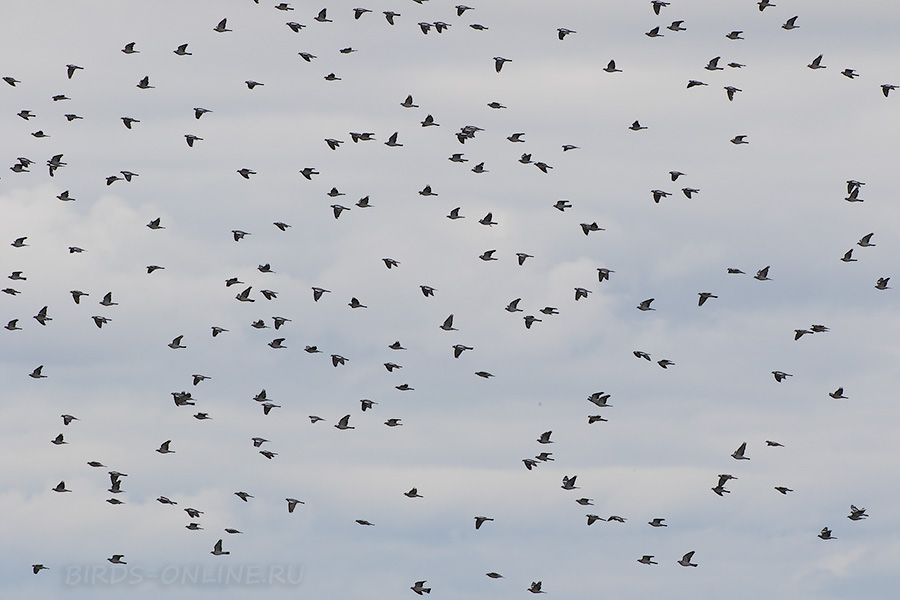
777, 201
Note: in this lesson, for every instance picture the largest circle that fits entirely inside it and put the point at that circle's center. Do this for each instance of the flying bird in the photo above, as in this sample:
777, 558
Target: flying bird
739, 453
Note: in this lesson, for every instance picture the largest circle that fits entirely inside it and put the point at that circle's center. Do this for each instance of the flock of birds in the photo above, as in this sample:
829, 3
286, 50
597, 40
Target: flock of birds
599, 400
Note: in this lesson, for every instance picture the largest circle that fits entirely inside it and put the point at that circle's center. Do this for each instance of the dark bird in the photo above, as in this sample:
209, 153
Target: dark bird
704, 296
498, 62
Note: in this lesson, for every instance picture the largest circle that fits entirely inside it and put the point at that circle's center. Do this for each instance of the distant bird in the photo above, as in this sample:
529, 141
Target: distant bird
129, 48
886, 88
563, 32
773, 444
739, 139
657, 522
354, 303
498, 62
38, 568
658, 194
144, 84
176, 343
866, 240
292, 504
19, 242
545, 438
857, 514
413, 493
849, 73
686, 560
164, 448
458, 349
479, 521
199, 112
848, 256
611, 67
825, 534
389, 15
419, 588
488, 255
116, 559
454, 214
838, 394
221, 27
882, 283
734, 35
645, 305
704, 296
600, 399
58, 440
426, 191
516, 137
321, 17
61, 487
713, 64
764, 4
739, 453
42, 317
521, 256
657, 5
587, 228
780, 375
816, 63
155, 224
676, 26
636, 126
358, 12
484, 374
581, 292
530, 463
647, 559
495, 105
665, 363
343, 423
182, 50
108, 301
693, 83
783, 490
396, 345
217, 549
317, 293
762, 274
730, 91
654, 33
535, 588
790, 24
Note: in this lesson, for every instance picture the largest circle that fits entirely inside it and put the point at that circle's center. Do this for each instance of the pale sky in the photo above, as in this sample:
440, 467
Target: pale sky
777, 201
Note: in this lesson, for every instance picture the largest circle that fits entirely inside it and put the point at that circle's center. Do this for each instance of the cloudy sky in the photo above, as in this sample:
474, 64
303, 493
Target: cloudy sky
777, 201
